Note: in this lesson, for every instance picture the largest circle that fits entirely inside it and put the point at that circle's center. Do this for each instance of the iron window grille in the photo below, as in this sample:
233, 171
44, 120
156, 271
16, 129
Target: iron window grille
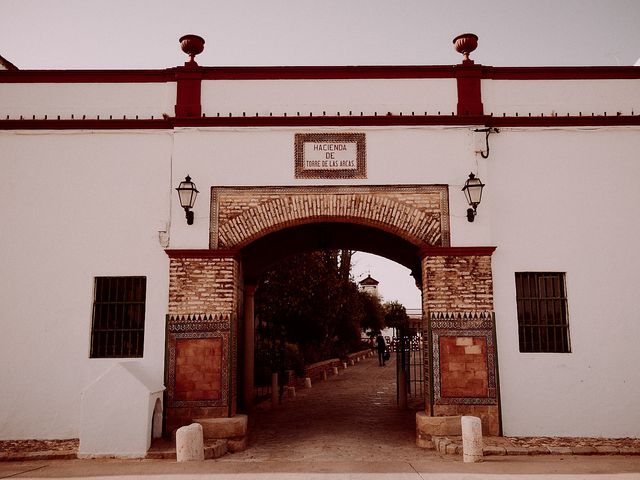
117, 329
543, 319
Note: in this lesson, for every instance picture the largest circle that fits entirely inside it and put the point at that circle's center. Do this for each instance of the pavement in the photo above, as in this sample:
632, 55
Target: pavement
348, 427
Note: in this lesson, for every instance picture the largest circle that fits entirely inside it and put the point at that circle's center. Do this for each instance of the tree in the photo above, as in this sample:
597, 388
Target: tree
309, 298
373, 319
395, 315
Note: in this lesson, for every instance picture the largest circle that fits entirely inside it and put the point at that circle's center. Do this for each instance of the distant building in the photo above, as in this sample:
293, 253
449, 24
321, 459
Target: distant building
370, 286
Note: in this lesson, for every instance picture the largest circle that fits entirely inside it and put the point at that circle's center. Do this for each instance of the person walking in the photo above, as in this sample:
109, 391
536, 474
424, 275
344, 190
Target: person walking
382, 349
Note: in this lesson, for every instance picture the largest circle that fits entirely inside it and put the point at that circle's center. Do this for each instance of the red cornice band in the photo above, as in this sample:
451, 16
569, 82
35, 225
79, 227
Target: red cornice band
317, 73
456, 251
201, 253
323, 121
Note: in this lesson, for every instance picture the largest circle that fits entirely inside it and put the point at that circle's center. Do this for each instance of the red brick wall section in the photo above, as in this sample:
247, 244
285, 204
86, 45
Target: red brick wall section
463, 367
457, 284
198, 369
419, 214
198, 285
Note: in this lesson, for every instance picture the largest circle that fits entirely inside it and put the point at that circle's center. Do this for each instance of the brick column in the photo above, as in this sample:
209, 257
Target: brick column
201, 335
458, 304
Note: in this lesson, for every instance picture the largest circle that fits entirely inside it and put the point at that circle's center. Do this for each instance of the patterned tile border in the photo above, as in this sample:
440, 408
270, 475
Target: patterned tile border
197, 326
475, 324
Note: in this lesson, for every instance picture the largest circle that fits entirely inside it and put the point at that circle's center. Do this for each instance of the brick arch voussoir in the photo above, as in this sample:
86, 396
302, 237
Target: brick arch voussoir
405, 221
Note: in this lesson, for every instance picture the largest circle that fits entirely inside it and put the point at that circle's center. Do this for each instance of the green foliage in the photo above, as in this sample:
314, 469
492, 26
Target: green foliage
373, 320
312, 300
395, 315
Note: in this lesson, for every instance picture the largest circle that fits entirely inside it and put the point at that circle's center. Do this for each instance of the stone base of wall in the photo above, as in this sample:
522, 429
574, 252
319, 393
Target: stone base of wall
177, 417
488, 414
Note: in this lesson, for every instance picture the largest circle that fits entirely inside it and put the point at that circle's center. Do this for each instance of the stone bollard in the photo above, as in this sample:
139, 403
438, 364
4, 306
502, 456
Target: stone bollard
471, 439
324, 375
335, 370
190, 443
307, 382
344, 365
352, 363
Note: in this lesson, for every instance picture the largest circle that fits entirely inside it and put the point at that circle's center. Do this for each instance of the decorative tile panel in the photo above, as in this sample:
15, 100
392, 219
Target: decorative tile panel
198, 360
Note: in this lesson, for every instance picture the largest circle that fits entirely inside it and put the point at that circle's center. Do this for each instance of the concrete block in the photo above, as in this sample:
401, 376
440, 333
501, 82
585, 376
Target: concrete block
215, 449
307, 382
517, 451
228, 427
335, 370
494, 450
438, 426
584, 451
189, 443
238, 444
560, 450
607, 449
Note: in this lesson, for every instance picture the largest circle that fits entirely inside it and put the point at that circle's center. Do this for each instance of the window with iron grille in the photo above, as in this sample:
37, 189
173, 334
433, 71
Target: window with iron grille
543, 319
117, 328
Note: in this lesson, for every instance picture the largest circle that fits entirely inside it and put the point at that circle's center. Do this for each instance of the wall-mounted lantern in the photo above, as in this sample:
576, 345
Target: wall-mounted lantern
187, 192
473, 191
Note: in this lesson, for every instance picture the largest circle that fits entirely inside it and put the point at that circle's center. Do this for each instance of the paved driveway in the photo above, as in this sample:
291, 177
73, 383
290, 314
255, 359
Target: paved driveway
351, 416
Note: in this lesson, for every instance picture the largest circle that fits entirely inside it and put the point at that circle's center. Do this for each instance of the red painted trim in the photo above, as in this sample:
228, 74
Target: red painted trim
87, 76
88, 124
321, 121
201, 253
328, 72
7, 64
560, 73
317, 73
456, 251
468, 79
188, 93
563, 121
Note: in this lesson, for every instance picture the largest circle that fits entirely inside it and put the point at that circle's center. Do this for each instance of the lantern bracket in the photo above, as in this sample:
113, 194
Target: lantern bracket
487, 131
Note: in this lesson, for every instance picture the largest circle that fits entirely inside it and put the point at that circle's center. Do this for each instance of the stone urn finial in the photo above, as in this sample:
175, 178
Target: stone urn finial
465, 44
192, 45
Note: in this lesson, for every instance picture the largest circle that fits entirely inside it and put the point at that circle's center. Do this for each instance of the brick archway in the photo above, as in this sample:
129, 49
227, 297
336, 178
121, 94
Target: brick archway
418, 214
211, 312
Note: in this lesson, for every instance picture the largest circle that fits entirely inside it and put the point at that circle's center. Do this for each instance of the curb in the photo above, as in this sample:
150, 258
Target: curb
447, 446
44, 455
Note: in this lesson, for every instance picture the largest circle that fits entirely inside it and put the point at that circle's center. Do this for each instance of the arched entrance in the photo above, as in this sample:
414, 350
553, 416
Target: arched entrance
211, 291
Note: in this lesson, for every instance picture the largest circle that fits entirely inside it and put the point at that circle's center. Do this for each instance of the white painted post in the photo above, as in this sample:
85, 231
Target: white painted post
190, 443
471, 439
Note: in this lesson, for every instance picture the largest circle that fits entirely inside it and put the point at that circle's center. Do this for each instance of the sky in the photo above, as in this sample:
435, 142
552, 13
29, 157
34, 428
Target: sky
79, 34
143, 34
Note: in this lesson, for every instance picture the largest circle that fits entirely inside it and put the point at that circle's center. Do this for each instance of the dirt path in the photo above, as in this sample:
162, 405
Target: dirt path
352, 416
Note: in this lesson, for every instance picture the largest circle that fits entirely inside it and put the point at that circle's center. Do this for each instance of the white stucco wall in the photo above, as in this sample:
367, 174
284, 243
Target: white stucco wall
565, 200
90, 99
561, 97
79, 204
265, 156
75, 205
335, 97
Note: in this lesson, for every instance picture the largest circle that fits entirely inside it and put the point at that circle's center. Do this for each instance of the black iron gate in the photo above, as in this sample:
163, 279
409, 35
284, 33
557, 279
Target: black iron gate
409, 345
